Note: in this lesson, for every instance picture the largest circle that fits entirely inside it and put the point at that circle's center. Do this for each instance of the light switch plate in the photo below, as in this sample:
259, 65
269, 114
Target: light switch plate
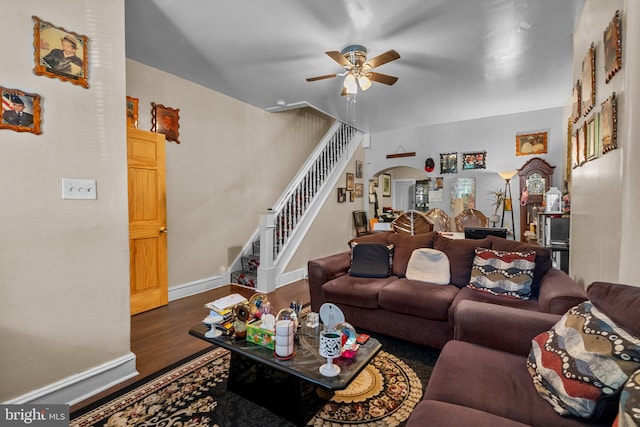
84, 189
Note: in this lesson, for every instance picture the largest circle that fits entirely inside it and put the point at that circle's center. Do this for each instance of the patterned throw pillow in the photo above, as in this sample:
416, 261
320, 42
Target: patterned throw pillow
503, 273
371, 260
629, 408
581, 364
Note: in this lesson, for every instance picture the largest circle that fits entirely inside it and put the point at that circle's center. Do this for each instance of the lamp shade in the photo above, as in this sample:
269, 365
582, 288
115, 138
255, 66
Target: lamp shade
350, 83
507, 175
364, 82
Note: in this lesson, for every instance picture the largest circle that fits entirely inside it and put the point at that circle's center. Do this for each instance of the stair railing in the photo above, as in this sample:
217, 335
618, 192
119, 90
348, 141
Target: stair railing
279, 223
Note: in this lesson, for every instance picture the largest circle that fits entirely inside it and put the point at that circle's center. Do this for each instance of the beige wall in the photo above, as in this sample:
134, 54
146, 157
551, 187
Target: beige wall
604, 230
64, 264
233, 160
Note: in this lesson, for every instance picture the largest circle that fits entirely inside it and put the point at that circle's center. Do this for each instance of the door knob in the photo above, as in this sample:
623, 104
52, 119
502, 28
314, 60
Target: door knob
164, 230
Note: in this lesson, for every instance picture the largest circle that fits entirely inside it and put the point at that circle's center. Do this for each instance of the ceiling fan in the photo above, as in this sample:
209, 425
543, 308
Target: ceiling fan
358, 70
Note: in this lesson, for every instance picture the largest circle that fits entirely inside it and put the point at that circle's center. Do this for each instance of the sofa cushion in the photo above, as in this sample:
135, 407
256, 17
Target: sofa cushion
404, 245
491, 381
508, 274
468, 294
429, 265
580, 364
379, 237
433, 413
629, 407
371, 260
419, 299
355, 291
460, 253
543, 256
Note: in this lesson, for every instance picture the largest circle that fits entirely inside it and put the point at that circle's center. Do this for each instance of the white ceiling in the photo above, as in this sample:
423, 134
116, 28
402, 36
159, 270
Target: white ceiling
460, 59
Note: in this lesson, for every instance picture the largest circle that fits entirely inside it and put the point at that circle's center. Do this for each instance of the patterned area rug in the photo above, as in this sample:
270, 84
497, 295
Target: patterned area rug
193, 394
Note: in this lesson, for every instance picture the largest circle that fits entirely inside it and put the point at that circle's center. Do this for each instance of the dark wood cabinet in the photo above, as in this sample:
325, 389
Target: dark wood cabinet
536, 176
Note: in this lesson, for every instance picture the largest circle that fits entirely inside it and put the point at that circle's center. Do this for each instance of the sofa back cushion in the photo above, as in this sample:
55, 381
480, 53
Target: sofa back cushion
543, 257
582, 362
381, 237
404, 245
461, 253
620, 302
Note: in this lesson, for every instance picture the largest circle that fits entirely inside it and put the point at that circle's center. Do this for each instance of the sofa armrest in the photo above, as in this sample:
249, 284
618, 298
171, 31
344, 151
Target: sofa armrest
502, 328
322, 270
559, 292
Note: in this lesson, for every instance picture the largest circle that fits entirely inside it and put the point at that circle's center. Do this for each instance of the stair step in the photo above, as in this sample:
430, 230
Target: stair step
250, 262
245, 278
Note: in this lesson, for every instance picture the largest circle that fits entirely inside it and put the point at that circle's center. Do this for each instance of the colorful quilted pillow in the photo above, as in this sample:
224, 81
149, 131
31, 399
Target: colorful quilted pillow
580, 365
503, 273
629, 413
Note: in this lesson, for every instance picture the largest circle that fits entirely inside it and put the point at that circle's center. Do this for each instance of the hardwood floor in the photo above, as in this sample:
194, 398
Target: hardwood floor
160, 337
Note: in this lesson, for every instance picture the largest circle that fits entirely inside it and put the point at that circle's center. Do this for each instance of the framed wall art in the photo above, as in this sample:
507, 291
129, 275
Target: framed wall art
351, 196
588, 87
568, 160
463, 194
531, 143
342, 195
474, 160
608, 123
574, 150
350, 182
576, 102
166, 120
358, 168
386, 185
20, 111
612, 48
60, 53
359, 189
449, 163
593, 137
582, 144
132, 112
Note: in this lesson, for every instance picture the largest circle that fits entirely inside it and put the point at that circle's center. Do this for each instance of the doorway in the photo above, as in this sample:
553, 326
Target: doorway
404, 194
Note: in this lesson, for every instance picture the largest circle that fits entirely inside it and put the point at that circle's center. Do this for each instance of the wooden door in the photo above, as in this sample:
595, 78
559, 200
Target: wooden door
147, 220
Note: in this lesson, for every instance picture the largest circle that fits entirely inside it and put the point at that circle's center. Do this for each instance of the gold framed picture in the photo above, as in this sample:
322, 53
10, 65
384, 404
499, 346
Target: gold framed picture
350, 184
132, 112
593, 136
612, 48
608, 124
166, 120
60, 54
588, 88
576, 102
20, 111
531, 143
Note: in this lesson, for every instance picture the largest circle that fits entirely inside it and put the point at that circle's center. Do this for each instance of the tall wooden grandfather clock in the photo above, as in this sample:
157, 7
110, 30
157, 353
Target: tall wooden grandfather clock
537, 176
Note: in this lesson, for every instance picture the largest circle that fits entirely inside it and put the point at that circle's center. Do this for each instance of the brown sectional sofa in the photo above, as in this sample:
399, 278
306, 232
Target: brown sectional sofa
422, 312
481, 377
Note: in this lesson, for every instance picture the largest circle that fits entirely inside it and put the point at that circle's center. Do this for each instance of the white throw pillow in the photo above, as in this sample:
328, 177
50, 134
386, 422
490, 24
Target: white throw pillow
429, 265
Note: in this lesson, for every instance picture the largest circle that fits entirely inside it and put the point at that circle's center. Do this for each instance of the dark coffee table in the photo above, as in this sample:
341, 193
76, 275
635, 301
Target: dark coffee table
294, 389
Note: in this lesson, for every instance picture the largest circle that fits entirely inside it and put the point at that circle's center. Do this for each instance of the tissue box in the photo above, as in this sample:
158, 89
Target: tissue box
263, 337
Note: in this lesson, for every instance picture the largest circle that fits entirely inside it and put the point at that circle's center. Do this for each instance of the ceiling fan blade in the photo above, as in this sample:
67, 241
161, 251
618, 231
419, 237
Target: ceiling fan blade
339, 58
388, 56
382, 78
326, 76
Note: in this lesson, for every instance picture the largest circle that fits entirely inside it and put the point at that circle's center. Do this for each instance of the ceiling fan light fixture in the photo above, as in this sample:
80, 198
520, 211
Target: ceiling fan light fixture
364, 82
350, 83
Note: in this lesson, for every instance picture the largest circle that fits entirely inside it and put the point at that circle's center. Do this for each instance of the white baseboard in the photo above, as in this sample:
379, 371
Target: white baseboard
197, 286
291, 276
79, 387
